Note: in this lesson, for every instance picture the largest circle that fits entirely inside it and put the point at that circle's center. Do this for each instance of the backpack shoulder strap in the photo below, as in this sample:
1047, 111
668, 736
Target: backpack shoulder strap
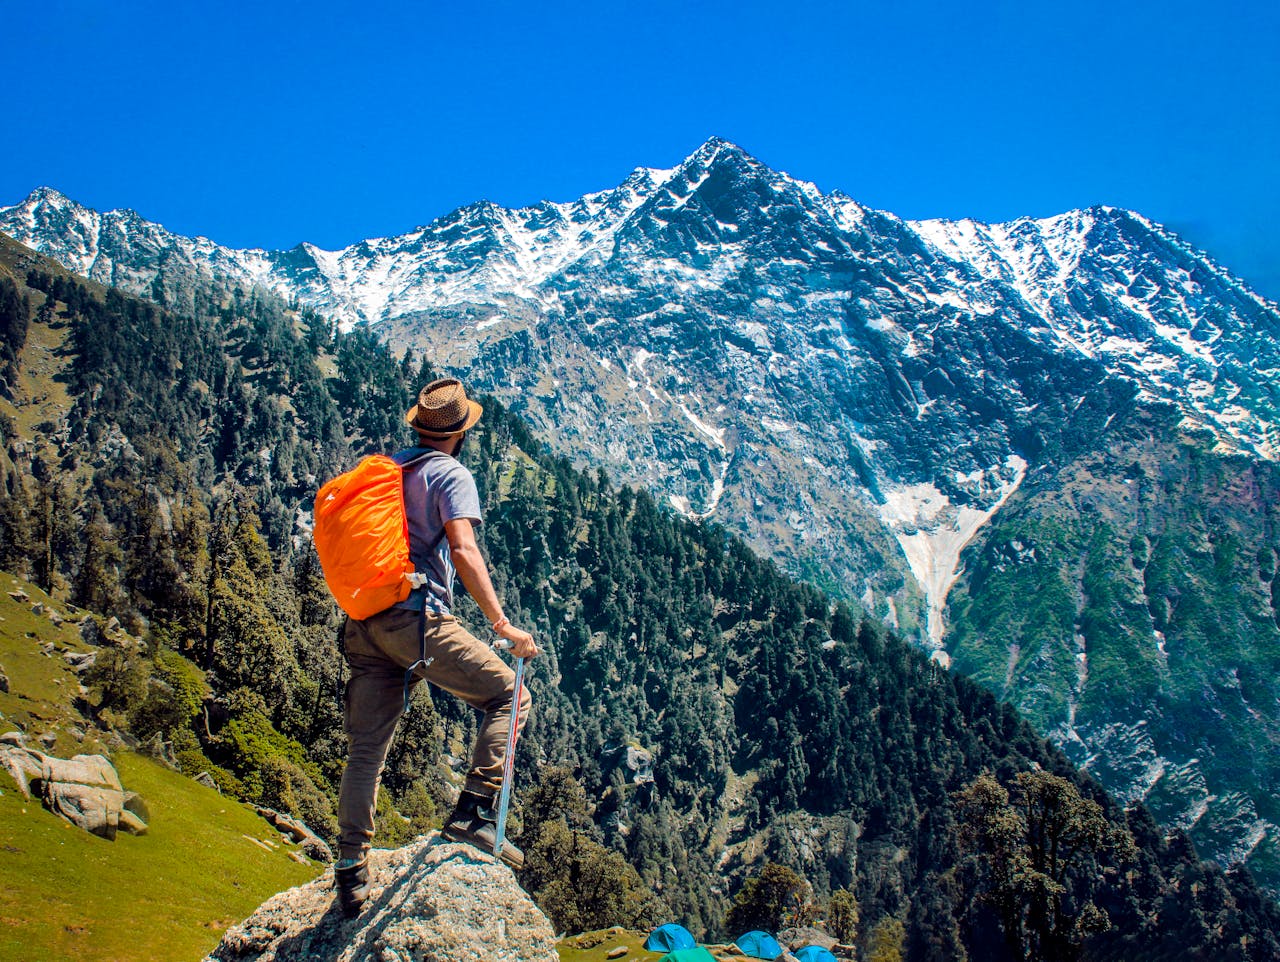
411, 458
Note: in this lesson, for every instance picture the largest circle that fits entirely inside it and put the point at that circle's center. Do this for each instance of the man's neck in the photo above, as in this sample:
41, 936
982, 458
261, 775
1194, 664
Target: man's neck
447, 446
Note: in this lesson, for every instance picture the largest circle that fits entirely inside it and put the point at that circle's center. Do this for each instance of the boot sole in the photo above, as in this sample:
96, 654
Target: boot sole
508, 857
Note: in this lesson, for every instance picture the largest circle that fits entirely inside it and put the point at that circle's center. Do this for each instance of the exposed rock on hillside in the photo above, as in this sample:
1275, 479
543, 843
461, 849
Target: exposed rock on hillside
85, 790
312, 844
431, 900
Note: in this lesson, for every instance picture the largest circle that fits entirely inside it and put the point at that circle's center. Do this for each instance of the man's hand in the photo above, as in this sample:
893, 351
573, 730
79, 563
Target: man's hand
522, 645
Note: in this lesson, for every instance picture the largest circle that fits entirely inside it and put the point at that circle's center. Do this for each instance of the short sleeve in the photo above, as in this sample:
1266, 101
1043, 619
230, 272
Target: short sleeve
458, 496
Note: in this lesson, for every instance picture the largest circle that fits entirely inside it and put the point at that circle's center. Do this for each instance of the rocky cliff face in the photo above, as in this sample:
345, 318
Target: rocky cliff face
430, 900
865, 399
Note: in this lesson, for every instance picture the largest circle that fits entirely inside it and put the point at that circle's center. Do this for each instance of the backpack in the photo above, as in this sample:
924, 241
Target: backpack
362, 537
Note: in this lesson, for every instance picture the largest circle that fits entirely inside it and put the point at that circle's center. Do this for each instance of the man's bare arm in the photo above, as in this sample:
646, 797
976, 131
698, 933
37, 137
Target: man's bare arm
474, 575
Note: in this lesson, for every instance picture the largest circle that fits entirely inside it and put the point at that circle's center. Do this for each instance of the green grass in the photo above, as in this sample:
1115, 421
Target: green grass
595, 946
167, 895
42, 688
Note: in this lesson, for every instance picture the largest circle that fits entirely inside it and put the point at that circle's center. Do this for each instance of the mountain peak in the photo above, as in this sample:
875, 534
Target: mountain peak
717, 150
48, 195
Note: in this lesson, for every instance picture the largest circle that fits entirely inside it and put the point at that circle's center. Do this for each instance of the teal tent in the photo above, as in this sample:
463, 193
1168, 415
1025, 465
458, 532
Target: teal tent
758, 945
668, 938
814, 953
695, 954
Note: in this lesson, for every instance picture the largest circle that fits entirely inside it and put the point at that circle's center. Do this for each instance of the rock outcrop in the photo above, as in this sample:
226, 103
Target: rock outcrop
85, 790
431, 901
296, 831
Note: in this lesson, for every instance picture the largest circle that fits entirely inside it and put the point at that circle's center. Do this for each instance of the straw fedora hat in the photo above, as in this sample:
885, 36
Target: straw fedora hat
443, 410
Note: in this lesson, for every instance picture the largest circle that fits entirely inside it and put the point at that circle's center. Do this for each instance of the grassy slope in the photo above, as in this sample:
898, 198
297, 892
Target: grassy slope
596, 946
69, 895
40, 389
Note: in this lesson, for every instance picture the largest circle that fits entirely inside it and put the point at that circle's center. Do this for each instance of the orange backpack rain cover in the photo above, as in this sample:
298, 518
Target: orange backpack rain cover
362, 537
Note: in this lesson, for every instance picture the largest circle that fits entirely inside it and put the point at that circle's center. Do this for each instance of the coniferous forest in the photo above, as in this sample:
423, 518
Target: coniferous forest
713, 743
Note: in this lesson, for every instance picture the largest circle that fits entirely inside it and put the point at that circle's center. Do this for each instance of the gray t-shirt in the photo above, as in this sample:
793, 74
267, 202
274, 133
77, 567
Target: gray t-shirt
437, 489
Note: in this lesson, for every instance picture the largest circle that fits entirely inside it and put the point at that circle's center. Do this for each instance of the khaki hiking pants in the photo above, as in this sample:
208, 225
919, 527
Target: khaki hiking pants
380, 650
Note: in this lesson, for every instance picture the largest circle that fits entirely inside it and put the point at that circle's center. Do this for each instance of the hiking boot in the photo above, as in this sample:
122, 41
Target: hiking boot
351, 878
474, 822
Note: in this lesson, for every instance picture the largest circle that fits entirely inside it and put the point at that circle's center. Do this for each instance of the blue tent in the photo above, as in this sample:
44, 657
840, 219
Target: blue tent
695, 954
668, 938
814, 953
759, 945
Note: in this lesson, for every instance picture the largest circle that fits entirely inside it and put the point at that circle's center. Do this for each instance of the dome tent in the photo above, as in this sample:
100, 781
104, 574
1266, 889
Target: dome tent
668, 938
758, 945
695, 954
814, 953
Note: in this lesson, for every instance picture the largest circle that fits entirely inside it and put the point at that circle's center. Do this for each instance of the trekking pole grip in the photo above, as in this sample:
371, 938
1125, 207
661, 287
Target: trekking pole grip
504, 645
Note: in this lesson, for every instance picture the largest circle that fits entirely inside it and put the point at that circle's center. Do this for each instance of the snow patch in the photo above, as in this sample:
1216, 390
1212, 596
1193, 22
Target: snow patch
715, 435
933, 532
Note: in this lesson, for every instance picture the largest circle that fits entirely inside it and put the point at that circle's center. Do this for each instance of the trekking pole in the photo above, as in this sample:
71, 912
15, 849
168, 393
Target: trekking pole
508, 762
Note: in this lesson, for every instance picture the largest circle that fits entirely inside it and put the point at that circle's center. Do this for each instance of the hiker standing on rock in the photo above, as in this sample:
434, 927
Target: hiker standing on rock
390, 652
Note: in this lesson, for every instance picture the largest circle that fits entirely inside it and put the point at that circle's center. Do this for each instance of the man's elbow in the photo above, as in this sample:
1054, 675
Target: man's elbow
467, 557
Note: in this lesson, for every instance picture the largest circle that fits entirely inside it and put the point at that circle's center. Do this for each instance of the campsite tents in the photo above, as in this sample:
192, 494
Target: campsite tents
695, 954
668, 938
814, 953
758, 945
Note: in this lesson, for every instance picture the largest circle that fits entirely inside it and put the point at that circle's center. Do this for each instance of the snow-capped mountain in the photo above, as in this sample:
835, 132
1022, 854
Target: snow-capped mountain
858, 395
721, 317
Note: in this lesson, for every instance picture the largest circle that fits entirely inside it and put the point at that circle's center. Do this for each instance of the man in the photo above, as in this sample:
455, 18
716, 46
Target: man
420, 638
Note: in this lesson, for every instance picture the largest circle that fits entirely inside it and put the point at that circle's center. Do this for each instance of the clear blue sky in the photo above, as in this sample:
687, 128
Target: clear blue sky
265, 124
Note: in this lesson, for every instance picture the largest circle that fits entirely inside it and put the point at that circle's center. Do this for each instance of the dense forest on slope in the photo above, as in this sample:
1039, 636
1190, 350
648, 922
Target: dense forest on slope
158, 465
1129, 603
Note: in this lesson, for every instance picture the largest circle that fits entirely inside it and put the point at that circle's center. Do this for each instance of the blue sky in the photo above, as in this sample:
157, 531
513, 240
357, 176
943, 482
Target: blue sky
265, 124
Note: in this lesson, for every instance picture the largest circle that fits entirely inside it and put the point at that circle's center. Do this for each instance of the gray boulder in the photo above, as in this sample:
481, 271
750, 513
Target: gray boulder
85, 790
93, 771
162, 751
133, 802
91, 632
22, 765
798, 938
431, 900
296, 831
80, 660
96, 810
4, 681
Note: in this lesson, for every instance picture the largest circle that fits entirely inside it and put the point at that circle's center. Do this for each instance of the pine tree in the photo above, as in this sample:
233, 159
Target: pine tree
774, 899
1038, 844
842, 916
97, 584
